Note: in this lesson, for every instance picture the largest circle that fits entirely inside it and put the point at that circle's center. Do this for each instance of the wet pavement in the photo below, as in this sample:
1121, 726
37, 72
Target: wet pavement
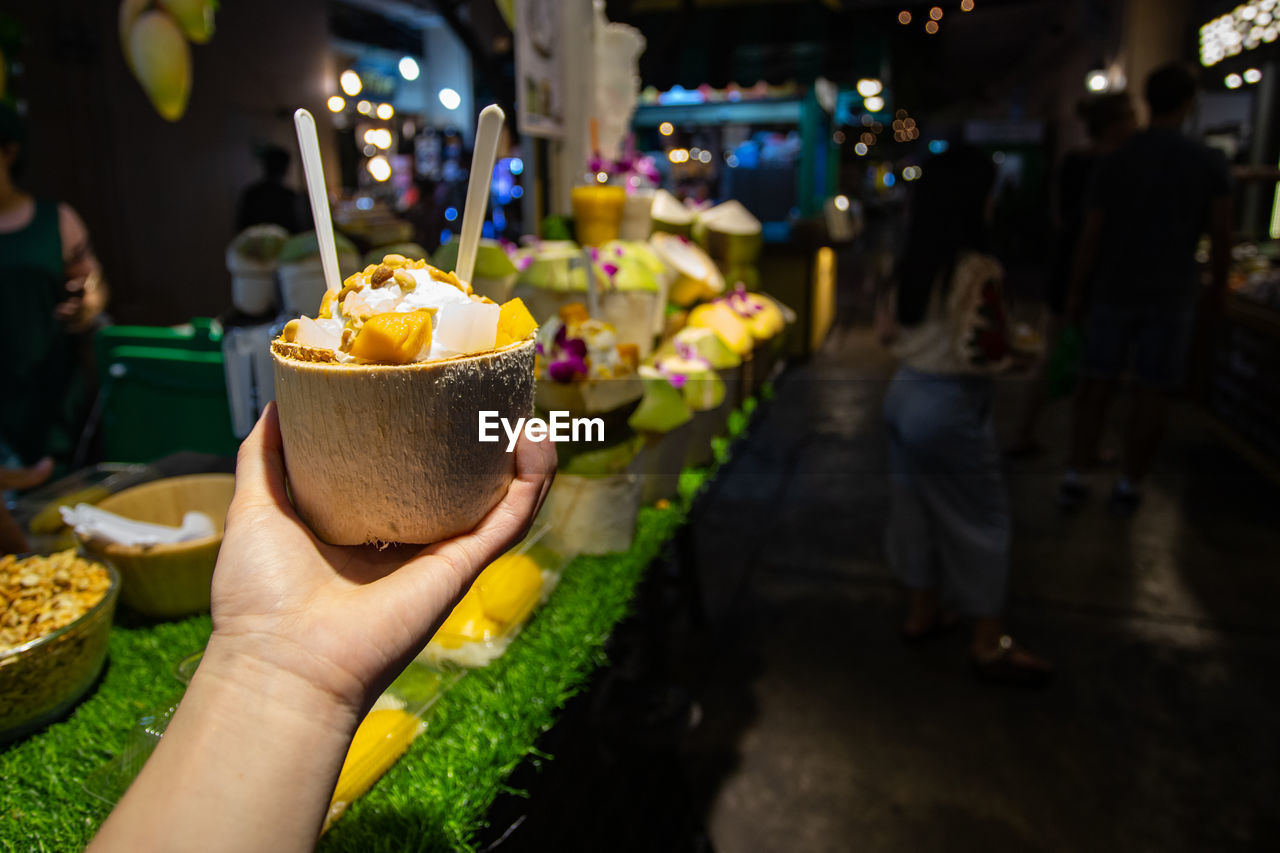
792, 718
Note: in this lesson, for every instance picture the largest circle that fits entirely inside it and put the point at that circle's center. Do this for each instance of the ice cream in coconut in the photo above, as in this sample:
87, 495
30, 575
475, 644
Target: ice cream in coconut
379, 399
583, 368
629, 295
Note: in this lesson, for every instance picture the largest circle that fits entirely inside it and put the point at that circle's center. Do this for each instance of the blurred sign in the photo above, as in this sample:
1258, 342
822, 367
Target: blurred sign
539, 68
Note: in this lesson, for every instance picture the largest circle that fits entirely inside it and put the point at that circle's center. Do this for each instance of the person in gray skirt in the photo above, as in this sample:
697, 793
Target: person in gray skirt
949, 526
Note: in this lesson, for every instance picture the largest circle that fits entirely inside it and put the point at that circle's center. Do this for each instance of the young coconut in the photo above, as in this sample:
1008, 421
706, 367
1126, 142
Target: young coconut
669, 215
697, 277
383, 453
733, 237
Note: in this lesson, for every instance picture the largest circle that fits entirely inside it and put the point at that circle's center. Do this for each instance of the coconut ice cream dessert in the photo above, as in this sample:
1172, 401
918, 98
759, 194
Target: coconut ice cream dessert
379, 398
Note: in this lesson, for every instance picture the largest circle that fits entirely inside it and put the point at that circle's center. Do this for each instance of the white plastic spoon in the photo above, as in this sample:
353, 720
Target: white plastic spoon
313, 168
486, 151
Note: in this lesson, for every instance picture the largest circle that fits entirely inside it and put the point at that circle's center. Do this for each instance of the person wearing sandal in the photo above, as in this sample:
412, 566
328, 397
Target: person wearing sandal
949, 524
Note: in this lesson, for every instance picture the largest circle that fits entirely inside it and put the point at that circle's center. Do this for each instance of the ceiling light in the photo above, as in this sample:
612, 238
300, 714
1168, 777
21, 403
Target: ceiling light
1096, 81
875, 103
409, 69
868, 87
1252, 75
450, 99
1233, 81
379, 168
336, 104
350, 82
386, 111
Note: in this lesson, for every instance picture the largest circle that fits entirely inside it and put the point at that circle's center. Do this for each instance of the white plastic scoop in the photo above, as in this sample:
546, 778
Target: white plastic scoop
486, 151
313, 168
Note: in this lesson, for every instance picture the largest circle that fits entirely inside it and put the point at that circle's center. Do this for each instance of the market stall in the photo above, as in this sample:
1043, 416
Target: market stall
60, 780
643, 318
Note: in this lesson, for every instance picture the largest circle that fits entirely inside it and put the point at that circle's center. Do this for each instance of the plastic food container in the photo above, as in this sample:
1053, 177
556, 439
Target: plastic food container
168, 580
42, 679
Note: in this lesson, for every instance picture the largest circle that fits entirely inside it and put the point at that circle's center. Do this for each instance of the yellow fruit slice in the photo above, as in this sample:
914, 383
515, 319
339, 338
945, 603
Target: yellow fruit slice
393, 337
161, 60
722, 320
381, 738
509, 588
194, 17
326, 305
515, 323
467, 624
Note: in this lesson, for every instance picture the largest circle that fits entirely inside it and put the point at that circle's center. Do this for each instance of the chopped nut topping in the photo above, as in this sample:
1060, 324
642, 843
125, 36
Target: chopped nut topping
39, 595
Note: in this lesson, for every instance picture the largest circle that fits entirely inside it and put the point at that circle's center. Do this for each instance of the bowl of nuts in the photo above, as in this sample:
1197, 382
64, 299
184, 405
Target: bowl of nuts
55, 616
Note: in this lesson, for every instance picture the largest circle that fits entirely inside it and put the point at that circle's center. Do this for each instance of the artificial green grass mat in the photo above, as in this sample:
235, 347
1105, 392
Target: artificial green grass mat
438, 794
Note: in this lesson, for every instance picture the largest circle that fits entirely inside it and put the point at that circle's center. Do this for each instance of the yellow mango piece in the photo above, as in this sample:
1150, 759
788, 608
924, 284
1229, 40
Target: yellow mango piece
326, 305
393, 337
722, 320
467, 624
574, 314
381, 738
509, 588
515, 323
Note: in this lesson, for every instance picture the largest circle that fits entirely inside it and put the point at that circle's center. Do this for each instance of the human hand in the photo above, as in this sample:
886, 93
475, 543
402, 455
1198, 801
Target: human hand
13, 539
344, 619
85, 301
26, 478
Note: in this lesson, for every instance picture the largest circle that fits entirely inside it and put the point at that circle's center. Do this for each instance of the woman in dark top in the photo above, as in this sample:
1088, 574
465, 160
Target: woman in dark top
53, 293
1109, 120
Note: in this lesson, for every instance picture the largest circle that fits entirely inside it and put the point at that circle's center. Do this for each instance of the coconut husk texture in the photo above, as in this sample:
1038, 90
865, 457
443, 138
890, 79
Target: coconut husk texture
391, 453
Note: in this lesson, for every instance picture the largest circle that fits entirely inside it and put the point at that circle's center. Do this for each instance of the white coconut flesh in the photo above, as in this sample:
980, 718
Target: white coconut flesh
461, 324
731, 218
693, 266
667, 208
391, 453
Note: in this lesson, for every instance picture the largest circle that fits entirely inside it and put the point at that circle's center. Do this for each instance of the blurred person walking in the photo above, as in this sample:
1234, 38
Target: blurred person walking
1147, 206
52, 288
1109, 120
268, 201
949, 524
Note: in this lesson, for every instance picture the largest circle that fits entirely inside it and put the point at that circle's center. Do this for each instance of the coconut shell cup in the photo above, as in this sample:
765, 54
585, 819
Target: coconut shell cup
391, 453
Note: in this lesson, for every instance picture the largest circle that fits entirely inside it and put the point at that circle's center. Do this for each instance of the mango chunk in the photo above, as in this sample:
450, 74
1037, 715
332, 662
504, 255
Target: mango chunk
466, 624
509, 588
393, 337
515, 323
326, 305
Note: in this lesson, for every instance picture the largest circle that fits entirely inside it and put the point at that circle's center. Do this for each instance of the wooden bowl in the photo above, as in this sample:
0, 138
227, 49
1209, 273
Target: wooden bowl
168, 580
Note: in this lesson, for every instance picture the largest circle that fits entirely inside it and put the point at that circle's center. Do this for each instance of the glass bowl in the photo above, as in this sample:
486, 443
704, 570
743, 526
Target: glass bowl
41, 680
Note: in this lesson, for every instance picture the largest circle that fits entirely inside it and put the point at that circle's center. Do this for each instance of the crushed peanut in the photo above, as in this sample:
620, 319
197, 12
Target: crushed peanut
42, 594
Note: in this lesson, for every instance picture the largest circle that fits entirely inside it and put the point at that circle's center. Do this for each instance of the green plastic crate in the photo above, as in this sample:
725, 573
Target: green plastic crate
163, 391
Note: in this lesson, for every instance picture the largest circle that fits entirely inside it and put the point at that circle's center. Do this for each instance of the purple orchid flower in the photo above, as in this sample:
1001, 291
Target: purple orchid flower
594, 253
610, 269
565, 370
677, 380
617, 251
524, 263
575, 348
